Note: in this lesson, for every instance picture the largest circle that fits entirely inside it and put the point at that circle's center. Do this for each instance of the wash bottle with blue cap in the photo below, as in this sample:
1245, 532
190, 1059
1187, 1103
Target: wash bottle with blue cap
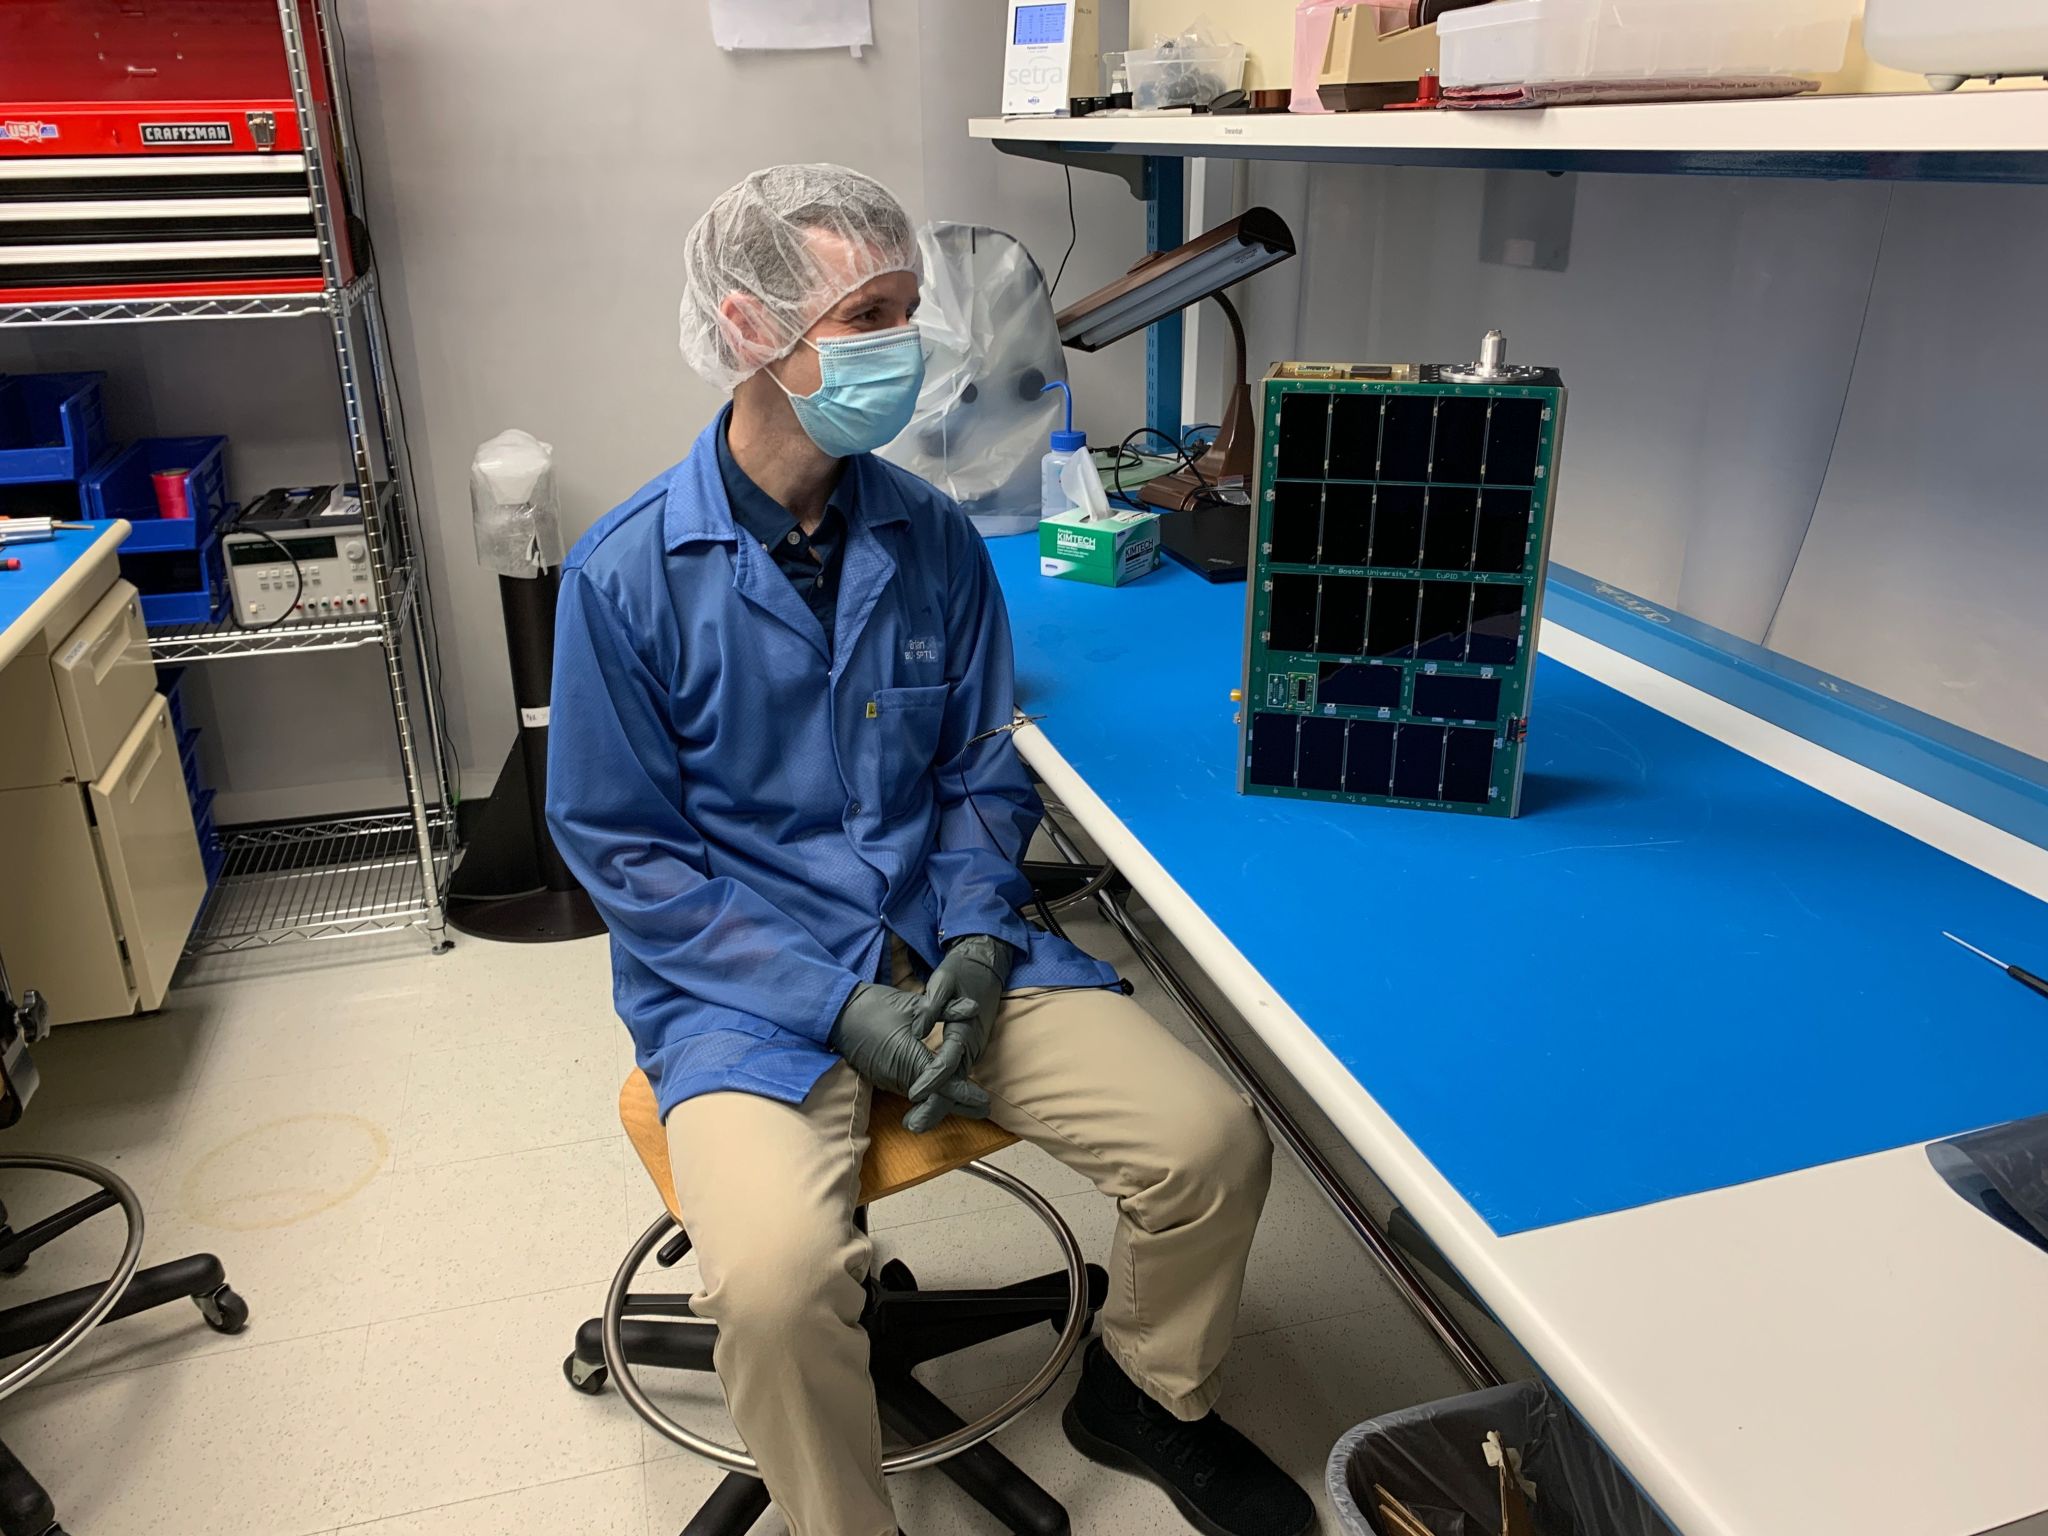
1067, 445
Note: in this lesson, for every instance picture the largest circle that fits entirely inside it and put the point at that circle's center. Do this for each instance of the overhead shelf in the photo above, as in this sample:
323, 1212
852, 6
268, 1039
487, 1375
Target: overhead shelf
1986, 135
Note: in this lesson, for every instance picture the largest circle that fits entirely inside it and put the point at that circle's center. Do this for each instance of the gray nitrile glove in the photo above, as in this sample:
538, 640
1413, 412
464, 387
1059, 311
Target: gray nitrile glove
927, 1113
976, 968
880, 1032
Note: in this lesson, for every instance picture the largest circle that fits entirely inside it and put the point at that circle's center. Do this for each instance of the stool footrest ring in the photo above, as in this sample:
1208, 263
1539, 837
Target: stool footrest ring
931, 1452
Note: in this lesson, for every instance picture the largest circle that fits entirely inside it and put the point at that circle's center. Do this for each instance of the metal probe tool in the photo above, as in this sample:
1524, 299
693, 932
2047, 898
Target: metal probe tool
2024, 977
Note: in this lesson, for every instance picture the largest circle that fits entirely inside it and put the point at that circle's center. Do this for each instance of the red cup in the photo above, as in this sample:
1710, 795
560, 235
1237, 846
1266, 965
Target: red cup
173, 493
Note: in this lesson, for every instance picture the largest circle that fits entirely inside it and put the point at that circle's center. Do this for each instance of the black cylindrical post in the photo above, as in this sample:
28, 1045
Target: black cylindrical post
529, 605
494, 895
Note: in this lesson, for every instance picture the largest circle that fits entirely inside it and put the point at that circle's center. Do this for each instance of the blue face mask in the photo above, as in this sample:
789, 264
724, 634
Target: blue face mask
867, 390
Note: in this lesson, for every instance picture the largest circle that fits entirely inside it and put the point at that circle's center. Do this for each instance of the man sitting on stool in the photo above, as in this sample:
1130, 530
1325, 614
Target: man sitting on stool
780, 765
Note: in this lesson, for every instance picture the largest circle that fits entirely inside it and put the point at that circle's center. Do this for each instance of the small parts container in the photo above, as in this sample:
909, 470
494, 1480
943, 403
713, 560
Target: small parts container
178, 586
1183, 74
1516, 42
129, 485
53, 426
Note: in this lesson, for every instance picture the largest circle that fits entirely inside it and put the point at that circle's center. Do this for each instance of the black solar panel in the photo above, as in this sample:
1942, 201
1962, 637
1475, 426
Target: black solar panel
1397, 583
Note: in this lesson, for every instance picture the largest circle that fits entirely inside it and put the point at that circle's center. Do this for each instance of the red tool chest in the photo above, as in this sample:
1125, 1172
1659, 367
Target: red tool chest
151, 149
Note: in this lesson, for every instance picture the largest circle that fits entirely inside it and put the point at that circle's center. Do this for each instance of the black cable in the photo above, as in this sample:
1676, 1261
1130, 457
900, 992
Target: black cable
1122, 459
1051, 922
298, 579
1179, 448
1073, 234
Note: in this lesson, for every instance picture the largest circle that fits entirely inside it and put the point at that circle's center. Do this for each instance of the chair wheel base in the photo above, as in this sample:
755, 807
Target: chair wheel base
223, 1309
590, 1380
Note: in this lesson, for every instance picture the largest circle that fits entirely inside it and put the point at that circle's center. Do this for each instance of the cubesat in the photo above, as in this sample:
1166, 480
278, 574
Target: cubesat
1403, 520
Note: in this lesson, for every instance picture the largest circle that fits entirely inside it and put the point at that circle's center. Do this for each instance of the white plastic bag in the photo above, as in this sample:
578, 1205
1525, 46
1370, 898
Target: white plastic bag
982, 421
512, 501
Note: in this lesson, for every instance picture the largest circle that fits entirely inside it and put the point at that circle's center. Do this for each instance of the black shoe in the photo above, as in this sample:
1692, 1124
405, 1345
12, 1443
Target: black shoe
1220, 1481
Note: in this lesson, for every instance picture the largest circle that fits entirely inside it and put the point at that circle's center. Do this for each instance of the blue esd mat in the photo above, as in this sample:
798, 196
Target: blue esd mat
1677, 971
43, 562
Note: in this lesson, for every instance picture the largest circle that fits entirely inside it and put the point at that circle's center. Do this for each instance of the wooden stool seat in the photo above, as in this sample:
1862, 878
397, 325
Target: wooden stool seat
897, 1159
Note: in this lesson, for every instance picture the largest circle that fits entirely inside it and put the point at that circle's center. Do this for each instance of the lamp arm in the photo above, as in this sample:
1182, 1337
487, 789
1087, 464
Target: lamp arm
1229, 457
1236, 333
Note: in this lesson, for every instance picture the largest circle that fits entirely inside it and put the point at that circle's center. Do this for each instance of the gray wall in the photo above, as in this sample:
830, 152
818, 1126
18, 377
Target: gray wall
1806, 412
531, 170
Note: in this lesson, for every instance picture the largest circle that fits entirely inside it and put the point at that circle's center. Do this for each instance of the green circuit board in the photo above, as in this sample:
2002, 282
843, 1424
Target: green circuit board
1403, 522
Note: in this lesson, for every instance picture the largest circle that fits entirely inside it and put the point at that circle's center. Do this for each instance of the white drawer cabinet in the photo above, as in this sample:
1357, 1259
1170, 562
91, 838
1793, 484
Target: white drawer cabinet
103, 870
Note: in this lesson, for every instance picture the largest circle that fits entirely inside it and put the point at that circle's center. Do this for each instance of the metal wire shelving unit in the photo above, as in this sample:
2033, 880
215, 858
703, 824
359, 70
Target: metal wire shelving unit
344, 878
216, 306
333, 877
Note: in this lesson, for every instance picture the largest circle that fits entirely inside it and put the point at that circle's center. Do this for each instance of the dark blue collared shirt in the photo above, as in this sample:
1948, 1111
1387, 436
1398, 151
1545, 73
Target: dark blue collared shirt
809, 560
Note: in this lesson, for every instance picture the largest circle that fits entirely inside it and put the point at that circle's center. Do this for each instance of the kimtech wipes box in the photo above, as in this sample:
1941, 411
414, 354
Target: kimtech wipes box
1108, 550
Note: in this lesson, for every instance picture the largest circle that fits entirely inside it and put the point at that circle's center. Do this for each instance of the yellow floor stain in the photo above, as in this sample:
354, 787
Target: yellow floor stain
284, 1171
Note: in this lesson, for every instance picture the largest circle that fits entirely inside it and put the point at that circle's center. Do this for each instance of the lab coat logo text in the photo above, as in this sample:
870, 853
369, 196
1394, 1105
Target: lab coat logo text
921, 648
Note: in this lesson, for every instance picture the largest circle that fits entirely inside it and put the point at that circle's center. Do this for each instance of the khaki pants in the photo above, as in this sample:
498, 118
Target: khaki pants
768, 1188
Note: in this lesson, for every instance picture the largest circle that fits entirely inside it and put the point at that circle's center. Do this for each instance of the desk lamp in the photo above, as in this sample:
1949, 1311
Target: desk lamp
1164, 283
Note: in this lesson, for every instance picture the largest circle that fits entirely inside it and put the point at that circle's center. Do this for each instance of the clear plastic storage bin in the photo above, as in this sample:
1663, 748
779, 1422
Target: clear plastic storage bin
1515, 42
1183, 74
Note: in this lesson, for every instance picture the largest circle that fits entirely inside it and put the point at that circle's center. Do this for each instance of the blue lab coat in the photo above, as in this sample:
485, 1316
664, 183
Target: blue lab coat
754, 811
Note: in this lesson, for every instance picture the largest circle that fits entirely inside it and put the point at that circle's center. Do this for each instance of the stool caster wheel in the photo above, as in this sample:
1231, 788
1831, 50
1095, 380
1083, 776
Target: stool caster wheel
896, 1276
590, 1380
224, 1311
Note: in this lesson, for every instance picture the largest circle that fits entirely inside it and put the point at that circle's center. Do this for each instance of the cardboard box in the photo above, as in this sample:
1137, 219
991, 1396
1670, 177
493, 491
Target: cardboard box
1106, 551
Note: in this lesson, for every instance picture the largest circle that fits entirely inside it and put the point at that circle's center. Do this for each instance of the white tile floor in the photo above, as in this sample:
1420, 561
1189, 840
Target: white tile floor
413, 1170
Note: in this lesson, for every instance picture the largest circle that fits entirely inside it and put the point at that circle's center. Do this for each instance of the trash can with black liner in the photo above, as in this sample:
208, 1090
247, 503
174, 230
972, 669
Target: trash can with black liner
1432, 1459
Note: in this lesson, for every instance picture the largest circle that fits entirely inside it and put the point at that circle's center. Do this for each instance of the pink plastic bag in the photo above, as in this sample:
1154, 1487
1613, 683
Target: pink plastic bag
1312, 19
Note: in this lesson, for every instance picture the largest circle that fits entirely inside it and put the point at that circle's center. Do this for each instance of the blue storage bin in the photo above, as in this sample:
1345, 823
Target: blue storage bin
213, 853
170, 682
188, 759
179, 586
120, 486
61, 499
53, 426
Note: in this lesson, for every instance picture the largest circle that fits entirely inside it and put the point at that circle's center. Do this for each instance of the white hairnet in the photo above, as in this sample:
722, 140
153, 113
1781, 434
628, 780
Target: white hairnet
790, 241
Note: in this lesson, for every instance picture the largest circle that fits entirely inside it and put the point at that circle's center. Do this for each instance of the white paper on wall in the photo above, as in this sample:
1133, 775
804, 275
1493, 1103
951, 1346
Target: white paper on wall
792, 24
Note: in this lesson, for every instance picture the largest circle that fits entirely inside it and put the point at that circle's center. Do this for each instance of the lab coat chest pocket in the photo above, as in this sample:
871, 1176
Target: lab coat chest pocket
902, 731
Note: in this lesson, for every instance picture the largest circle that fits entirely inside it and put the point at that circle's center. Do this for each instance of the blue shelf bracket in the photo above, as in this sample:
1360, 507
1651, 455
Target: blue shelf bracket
1165, 227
